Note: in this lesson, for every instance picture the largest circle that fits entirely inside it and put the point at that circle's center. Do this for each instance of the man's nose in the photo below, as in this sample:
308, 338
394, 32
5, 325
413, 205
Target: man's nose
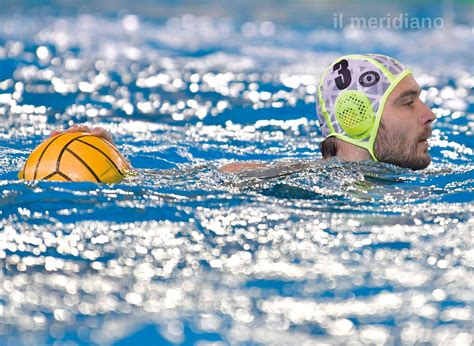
427, 116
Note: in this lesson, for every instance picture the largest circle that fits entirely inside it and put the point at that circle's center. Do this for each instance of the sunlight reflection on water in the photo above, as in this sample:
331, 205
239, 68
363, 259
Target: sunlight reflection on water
303, 251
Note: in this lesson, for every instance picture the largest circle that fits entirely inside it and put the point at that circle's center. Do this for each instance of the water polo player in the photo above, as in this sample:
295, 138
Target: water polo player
369, 109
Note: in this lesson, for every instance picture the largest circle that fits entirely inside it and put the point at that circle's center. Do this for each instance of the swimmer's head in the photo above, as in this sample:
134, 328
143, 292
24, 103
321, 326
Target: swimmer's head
371, 101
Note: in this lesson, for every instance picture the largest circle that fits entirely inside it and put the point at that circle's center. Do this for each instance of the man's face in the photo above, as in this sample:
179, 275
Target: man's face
405, 128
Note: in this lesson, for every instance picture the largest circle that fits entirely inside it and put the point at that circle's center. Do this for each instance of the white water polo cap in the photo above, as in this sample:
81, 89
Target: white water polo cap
351, 97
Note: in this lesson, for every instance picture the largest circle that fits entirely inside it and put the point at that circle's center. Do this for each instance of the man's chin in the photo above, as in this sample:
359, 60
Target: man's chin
421, 163
415, 162
416, 158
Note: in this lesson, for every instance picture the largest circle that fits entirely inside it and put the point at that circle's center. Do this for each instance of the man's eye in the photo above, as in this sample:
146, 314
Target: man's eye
408, 104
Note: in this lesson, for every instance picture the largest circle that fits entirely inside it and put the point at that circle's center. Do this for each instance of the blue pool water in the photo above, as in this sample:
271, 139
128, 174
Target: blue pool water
303, 252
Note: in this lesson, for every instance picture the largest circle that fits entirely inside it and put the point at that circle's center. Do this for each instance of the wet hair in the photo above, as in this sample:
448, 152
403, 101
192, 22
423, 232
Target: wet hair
329, 147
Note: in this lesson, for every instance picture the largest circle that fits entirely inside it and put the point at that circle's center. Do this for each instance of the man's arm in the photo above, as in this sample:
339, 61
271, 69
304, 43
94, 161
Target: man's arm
265, 170
240, 167
252, 168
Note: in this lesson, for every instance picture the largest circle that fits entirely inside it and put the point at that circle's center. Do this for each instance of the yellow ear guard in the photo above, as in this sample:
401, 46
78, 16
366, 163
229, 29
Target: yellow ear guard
352, 94
355, 114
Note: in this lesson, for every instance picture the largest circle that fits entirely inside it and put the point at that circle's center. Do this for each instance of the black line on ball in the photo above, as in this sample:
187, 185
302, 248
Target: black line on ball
58, 162
64, 176
108, 158
114, 149
41, 156
49, 175
84, 163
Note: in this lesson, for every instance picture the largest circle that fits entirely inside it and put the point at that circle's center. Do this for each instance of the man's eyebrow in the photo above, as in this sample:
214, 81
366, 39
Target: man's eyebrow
406, 93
